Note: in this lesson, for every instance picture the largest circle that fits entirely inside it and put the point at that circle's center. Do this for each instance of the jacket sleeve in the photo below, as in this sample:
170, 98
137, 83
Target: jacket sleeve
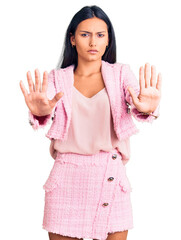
39, 122
129, 80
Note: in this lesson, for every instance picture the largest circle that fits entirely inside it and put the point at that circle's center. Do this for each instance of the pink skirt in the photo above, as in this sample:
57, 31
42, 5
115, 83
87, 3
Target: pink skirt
87, 196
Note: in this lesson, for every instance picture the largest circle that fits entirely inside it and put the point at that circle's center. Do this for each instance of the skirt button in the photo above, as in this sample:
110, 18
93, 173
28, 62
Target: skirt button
110, 179
114, 156
105, 204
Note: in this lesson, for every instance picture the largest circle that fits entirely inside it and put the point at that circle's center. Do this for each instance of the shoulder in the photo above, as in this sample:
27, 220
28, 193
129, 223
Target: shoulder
61, 70
57, 73
116, 66
121, 72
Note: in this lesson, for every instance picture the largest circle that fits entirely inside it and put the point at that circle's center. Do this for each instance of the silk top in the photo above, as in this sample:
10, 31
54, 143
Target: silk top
91, 127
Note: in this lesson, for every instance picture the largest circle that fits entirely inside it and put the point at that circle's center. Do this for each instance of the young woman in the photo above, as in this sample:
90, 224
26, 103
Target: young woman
90, 99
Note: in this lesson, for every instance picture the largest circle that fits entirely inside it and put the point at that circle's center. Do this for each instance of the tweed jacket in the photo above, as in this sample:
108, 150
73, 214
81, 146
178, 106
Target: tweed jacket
117, 77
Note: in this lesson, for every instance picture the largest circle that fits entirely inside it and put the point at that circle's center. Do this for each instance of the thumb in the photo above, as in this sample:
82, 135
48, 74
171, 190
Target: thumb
56, 98
133, 95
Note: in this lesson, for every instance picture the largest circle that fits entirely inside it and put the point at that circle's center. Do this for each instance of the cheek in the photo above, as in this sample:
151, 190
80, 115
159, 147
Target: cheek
103, 43
80, 46
103, 47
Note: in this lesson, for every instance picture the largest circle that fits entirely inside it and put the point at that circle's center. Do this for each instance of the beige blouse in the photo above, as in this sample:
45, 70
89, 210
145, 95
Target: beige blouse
91, 127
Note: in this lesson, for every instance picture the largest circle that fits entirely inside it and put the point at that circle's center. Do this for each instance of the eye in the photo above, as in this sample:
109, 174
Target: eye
100, 35
84, 34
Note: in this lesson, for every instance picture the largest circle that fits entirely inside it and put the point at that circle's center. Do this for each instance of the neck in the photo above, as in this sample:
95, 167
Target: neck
88, 68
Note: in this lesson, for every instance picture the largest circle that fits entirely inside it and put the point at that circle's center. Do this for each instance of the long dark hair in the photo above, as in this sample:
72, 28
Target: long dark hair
69, 54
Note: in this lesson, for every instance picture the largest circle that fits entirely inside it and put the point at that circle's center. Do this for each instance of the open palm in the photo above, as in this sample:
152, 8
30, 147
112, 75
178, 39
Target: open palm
36, 99
150, 90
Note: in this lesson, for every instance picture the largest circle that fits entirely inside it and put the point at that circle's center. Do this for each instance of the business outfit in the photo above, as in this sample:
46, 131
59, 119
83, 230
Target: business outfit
87, 194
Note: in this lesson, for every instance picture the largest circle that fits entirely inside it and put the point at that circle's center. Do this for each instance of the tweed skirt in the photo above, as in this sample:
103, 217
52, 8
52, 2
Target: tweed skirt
87, 196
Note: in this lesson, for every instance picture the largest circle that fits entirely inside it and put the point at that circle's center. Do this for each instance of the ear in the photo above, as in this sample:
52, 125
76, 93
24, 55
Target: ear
72, 39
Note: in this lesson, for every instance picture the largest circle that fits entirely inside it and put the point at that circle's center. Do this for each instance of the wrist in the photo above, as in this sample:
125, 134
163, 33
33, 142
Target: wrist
148, 114
132, 109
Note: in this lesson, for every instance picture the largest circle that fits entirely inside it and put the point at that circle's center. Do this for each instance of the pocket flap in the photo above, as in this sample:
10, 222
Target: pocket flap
52, 180
125, 184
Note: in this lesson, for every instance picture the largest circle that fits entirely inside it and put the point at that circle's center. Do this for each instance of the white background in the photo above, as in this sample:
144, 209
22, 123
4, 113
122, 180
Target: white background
32, 34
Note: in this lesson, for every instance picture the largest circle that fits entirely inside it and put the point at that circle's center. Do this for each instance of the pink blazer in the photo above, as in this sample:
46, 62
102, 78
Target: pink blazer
117, 77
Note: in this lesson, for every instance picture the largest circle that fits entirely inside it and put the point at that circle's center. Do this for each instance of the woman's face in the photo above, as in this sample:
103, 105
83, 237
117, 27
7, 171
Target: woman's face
91, 39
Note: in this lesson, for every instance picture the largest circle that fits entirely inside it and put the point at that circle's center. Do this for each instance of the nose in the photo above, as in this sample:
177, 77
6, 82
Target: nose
92, 42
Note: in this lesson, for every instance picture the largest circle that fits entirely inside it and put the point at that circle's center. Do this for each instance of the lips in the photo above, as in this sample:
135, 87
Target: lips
93, 51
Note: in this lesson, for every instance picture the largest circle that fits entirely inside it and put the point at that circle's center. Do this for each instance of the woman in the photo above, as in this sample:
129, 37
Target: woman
90, 99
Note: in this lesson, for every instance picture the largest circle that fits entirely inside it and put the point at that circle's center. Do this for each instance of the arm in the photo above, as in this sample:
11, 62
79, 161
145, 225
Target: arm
143, 100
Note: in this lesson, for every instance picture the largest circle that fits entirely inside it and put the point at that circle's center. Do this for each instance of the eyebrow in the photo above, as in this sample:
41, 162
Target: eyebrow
90, 32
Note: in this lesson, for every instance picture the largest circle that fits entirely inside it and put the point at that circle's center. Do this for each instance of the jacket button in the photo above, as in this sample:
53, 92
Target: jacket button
105, 204
31, 123
114, 156
110, 179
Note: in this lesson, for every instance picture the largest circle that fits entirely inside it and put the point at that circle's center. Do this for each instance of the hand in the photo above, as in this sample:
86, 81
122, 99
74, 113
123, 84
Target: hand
150, 90
37, 100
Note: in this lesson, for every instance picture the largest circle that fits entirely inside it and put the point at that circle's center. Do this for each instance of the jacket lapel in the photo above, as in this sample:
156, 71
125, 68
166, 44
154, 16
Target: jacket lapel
67, 76
111, 76
108, 75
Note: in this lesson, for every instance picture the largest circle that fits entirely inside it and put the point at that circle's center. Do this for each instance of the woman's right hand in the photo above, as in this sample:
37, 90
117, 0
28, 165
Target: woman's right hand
36, 99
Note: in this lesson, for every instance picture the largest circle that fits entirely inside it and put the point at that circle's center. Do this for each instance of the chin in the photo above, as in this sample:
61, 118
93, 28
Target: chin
94, 58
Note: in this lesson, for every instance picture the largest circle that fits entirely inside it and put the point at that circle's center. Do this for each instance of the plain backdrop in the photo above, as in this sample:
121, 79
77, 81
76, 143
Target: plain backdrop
32, 35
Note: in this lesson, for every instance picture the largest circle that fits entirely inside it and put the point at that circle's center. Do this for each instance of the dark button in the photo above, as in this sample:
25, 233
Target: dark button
52, 118
105, 204
114, 156
128, 107
31, 123
110, 179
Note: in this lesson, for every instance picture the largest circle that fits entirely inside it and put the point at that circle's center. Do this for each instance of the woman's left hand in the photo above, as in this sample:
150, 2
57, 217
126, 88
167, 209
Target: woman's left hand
150, 90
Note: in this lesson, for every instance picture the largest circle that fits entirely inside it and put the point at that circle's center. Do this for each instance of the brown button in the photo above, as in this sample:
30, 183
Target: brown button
114, 156
31, 123
110, 179
105, 204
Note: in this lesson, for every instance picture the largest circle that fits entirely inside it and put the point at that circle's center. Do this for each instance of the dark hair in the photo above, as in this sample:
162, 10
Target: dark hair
70, 55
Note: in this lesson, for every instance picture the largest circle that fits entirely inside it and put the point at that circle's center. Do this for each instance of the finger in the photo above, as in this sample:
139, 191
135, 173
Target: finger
153, 76
159, 82
45, 82
23, 89
30, 82
147, 75
141, 79
37, 80
56, 98
133, 95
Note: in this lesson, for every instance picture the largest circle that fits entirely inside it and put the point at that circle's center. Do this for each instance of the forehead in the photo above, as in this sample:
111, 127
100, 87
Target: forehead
92, 25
